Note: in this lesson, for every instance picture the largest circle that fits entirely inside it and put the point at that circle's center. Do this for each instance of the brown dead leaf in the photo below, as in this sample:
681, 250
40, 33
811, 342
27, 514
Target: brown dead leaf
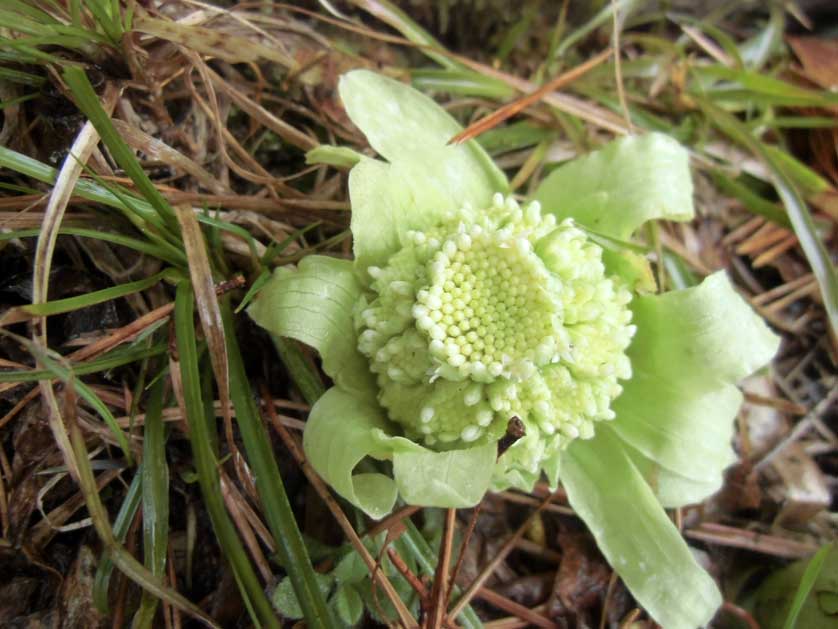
228, 46
819, 57
528, 590
741, 491
827, 202
804, 489
583, 575
15, 598
77, 608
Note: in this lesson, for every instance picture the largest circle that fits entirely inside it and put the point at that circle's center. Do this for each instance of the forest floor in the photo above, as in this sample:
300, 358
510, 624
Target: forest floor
212, 106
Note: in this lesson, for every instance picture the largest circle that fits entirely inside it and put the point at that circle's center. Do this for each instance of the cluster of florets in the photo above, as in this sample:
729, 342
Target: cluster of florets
495, 313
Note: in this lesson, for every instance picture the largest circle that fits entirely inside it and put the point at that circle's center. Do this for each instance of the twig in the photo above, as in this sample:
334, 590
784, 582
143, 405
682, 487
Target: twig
618, 65
782, 405
515, 430
487, 571
612, 584
510, 606
516, 106
391, 520
522, 499
232, 500
799, 429
415, 582
463, 546
741, 614
733, 537
439, 594
783, 289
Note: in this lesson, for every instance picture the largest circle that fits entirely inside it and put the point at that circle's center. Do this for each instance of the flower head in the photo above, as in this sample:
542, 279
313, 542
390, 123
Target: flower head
493, 313
463, 309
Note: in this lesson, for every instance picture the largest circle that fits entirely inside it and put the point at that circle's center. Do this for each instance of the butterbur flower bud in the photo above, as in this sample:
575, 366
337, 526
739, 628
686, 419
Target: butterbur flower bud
522, 300
464, 309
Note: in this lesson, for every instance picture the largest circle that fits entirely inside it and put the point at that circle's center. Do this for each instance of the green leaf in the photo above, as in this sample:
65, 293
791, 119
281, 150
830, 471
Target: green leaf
455, 479
678, 408
390, 199
337, 156
616, 189
635, 535
714, 334
680, 439
314, 303
338, 436
425, 177
401, 123
351, 569
284, 598
803, 595
807, 582
349, 604
343, 429
632, 267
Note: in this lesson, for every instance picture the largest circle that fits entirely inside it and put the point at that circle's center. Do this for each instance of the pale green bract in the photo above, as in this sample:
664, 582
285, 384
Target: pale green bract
463, 309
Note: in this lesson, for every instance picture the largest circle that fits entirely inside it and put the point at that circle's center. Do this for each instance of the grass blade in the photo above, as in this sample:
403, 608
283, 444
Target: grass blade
117, 239
306, 379
155, 483
138, 211
283, 526
127, 512
123, 560
24, 78
798, 212
603, 16
111, 24
69, 304
209, 312
88, 103
113, 359
807, 582
750, 199
206, 462
390, 14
